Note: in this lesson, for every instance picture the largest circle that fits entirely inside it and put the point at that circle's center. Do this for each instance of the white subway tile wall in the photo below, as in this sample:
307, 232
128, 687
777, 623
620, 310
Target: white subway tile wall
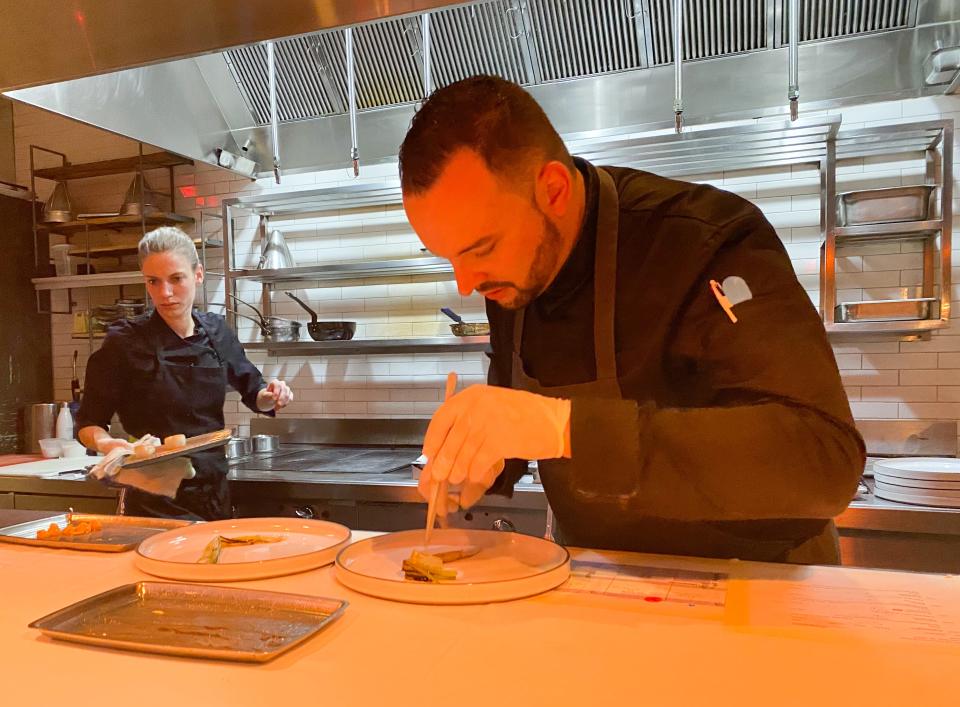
884, 378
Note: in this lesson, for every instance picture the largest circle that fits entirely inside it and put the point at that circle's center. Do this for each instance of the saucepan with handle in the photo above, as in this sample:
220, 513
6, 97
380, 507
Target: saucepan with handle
325, 331
274, 329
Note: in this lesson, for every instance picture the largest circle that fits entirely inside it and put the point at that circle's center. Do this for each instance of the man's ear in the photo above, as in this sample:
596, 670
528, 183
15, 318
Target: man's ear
554, 188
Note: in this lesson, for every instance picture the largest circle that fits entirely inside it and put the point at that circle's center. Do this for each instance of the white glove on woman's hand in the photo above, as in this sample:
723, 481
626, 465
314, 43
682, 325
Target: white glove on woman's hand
275, 396
479, 427
107, 444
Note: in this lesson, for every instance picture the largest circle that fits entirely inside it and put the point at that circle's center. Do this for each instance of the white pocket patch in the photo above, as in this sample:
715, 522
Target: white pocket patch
736, 290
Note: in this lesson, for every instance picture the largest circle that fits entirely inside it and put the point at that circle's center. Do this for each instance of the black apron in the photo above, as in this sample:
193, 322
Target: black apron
179, 398
590, 521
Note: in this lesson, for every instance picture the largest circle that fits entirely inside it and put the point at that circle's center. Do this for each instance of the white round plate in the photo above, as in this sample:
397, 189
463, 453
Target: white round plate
922, 468
920, 499
306, 545
919, 483
508, 566
933, 493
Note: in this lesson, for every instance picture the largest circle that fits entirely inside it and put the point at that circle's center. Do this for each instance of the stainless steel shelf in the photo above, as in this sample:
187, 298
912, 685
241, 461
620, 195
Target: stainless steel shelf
70, 282
889, 231
318, 200
435, 344
399, 267
908, 326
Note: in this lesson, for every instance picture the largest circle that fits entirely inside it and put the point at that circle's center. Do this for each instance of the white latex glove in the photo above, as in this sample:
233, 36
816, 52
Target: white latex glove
479, 427
107, 444
275, 396
464, 496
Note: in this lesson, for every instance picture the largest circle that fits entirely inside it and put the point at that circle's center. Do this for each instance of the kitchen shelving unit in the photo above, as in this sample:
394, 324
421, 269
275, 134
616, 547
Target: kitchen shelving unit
934, 140
138, 164
698, 150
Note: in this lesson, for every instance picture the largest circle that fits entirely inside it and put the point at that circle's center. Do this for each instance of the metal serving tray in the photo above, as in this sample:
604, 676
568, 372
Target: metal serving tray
888, 310
119, 533
889, 205
193, 620
194, 444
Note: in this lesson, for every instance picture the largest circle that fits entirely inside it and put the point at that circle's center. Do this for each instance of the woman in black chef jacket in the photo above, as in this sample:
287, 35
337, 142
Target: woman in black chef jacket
166, 373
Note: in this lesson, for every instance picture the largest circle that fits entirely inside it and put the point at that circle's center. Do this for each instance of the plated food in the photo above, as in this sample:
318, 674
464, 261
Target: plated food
430, 567
242, 549
211, 553
467, 566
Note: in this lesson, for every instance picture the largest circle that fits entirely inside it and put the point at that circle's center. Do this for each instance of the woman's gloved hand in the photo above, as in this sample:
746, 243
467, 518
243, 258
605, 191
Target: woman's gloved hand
275, 396
479, 427
106, 444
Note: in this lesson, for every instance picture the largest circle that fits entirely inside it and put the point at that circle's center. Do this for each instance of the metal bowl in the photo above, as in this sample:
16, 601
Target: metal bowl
239, 447
470, 328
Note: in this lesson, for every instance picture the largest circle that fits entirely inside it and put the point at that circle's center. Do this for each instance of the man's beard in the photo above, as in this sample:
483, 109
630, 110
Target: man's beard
541, 269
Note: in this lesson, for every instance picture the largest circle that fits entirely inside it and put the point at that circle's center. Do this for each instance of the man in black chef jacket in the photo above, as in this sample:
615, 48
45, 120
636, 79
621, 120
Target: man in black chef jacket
651, 344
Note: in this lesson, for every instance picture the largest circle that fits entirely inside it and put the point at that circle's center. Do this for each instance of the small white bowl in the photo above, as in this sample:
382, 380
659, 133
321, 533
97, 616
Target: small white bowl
50, 447
72, 449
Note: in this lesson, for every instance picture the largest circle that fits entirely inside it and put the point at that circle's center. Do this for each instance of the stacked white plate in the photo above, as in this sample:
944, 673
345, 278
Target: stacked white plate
926, 481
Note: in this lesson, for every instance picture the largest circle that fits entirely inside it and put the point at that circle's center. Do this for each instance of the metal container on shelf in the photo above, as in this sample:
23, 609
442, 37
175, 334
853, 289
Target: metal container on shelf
888, 205
889, 310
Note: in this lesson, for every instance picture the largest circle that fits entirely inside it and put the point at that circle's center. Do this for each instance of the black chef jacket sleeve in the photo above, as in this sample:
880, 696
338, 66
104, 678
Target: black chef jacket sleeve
103, 385
243, 376
775, 439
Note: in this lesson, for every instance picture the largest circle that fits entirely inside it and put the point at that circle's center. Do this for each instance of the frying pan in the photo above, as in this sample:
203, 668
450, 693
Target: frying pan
326, 331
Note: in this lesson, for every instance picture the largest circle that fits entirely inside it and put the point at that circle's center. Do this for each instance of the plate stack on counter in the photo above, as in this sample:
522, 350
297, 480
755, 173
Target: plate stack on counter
925, 481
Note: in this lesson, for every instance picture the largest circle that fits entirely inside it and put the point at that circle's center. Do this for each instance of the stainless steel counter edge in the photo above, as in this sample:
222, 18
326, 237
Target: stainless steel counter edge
871, 514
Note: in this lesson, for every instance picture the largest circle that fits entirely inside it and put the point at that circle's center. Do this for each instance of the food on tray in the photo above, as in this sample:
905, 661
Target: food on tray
174, 442
144, 451
211, 553
71, 530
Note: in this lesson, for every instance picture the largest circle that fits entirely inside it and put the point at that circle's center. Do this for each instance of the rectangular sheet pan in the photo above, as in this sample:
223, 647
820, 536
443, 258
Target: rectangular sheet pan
193, 620
119, 533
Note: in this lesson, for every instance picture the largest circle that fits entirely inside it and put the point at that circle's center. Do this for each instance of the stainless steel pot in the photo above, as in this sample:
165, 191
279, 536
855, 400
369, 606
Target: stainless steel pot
239, 447
274, 329
39, 422
266, 443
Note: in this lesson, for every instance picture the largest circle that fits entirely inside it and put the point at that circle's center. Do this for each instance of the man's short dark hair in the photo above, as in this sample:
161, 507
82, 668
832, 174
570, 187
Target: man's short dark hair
494, 117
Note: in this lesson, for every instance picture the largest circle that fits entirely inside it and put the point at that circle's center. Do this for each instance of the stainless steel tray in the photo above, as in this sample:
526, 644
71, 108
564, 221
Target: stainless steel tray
888, 310
194, 444
889, 205
193, 620
119, 533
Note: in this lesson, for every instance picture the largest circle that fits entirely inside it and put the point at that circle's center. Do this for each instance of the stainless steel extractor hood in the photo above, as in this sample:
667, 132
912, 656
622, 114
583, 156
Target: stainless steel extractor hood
593, 64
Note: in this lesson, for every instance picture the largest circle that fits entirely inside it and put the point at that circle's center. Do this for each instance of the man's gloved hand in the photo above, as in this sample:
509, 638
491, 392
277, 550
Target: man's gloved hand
464, 496
275, 396
479, 427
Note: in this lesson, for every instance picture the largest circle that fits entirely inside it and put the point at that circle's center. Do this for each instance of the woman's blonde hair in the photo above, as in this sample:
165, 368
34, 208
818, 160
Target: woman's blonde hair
168, 239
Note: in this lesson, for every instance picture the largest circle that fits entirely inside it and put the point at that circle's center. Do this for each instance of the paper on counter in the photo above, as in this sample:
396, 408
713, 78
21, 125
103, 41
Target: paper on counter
905, 614
653, 585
